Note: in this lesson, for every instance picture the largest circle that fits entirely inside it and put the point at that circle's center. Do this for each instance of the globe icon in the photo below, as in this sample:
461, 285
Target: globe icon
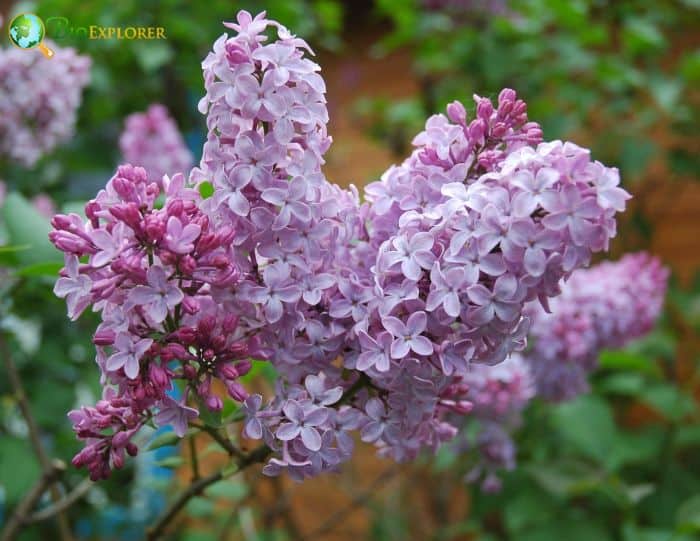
27, 31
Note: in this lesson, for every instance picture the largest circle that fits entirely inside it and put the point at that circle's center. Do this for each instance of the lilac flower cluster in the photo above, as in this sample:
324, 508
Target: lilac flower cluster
151, 140
481, 219
371, 314
150, 272
39, 98
603, 307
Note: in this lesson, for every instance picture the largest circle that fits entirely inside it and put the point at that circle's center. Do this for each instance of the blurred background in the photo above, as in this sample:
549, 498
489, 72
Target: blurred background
621, 77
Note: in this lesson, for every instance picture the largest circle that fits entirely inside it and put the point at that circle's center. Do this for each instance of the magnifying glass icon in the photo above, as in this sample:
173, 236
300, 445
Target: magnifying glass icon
27, 31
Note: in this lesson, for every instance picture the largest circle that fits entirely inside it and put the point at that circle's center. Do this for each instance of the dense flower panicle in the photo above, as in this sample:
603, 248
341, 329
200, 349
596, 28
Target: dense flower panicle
603, 307
39, 98
482, 218
151, 140
373, 315
149, 270
266, 116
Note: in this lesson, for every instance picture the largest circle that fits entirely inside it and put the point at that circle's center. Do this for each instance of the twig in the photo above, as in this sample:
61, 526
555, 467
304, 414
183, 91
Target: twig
64, 503
358, 501
34, 437
19, 517
193, 458
158, 529
223, 441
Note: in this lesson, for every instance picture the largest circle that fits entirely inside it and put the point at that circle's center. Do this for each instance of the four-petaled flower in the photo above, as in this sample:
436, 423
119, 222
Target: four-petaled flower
128, 354
375, 352
290, 200
302, 423
445, 290
176, 414
75, 287
157, 297
533, 186
278, 289
181, 239
567, 209
414, 254
524, 234
502, 301
408, 336
374, 429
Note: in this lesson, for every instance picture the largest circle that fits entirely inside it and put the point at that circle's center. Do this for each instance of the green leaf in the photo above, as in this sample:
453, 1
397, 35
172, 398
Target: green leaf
526, 509
199, 507
669, 401
8, 254
229, 470
690, 66
684, 162
636, 493
636, 154
576, 530
164, 440
641, 36
445, 459
688, 436
628, 361
152, 55
199, 536
658, 344
567, 477
228, 490
636, 448
632, 532
48, 269
171, 462
587, 424
13, 249
622, 383
19, 469
666, 91
206, 189
26, 227
688, 516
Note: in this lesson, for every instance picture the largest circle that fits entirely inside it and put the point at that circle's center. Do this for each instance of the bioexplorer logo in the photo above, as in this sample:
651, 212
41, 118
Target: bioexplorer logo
60, 28
27, 31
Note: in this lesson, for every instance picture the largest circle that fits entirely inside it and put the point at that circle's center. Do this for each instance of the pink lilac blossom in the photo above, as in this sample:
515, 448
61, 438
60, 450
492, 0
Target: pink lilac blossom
150, 271
481, 219
152, 140
604, 307
372, 314
39, 99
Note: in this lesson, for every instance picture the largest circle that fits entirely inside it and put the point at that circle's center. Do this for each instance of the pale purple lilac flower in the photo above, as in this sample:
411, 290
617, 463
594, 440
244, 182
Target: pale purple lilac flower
371, 314
39, 100
152, 140
603, 307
